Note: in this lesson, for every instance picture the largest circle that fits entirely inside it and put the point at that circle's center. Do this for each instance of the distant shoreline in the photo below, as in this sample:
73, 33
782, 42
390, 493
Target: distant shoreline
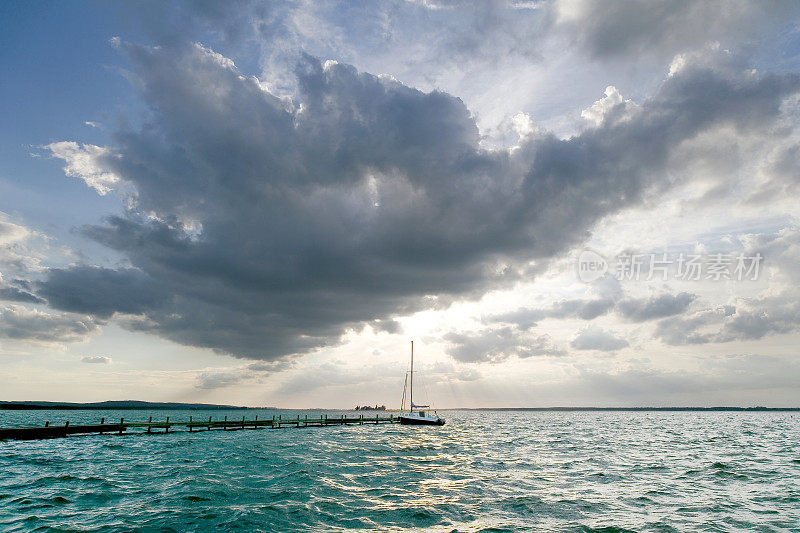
136, 404
117, 405
721, 408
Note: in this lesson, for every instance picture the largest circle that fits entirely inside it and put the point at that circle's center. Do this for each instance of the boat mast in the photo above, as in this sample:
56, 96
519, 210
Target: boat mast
412, 375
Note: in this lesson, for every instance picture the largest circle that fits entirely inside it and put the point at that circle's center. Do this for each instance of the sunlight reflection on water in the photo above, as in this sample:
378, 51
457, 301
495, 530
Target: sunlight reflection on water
506, 470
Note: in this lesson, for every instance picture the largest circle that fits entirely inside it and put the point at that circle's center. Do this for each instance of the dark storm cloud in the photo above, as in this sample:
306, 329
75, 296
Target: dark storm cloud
13, 294
261, 227
101, 291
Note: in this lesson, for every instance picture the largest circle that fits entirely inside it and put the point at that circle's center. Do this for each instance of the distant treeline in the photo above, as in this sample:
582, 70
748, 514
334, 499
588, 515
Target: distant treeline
757, 408
370, 408
120, 404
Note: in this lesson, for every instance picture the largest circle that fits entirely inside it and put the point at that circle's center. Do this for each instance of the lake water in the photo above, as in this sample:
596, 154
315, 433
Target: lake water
483, 471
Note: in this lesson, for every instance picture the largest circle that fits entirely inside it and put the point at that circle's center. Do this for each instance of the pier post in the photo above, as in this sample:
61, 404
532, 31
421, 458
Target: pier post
361, 420
149, 421
47, 424
166, 429
121, 421
67, 424
102, 421
242, 422
190, 424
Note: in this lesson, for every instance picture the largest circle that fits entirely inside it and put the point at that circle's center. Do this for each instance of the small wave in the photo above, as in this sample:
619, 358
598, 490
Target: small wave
777, 499
49, 479
606, 529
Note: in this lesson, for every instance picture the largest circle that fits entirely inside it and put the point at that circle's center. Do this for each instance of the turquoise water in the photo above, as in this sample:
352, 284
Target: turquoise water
496, 471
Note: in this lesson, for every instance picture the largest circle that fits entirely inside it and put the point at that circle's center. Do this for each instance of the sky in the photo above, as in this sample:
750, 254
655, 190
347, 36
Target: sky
561, 202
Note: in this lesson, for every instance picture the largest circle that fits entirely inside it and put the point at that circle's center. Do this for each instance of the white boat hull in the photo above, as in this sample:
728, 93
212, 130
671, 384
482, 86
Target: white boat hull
415, 419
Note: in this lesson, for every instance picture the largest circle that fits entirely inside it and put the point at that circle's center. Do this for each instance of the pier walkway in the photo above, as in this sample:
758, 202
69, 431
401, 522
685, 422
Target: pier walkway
191, 426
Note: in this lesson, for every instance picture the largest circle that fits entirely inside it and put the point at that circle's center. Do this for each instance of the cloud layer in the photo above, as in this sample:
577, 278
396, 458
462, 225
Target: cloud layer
629, 27
261, 227
21, 324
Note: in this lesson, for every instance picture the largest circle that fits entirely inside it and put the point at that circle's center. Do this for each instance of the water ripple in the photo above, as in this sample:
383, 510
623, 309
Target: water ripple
498, 471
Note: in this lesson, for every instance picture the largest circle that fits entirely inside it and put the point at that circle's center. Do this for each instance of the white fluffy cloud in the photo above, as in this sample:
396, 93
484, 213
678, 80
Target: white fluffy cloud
86, 162
611, 107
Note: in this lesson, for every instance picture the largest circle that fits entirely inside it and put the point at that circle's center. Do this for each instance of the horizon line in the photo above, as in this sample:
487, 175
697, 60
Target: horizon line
143, 404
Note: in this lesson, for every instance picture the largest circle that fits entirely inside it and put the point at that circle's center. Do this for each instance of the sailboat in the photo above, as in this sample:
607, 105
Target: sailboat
418, 415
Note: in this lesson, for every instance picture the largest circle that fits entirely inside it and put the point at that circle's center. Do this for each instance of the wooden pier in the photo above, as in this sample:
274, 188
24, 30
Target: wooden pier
191, 426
